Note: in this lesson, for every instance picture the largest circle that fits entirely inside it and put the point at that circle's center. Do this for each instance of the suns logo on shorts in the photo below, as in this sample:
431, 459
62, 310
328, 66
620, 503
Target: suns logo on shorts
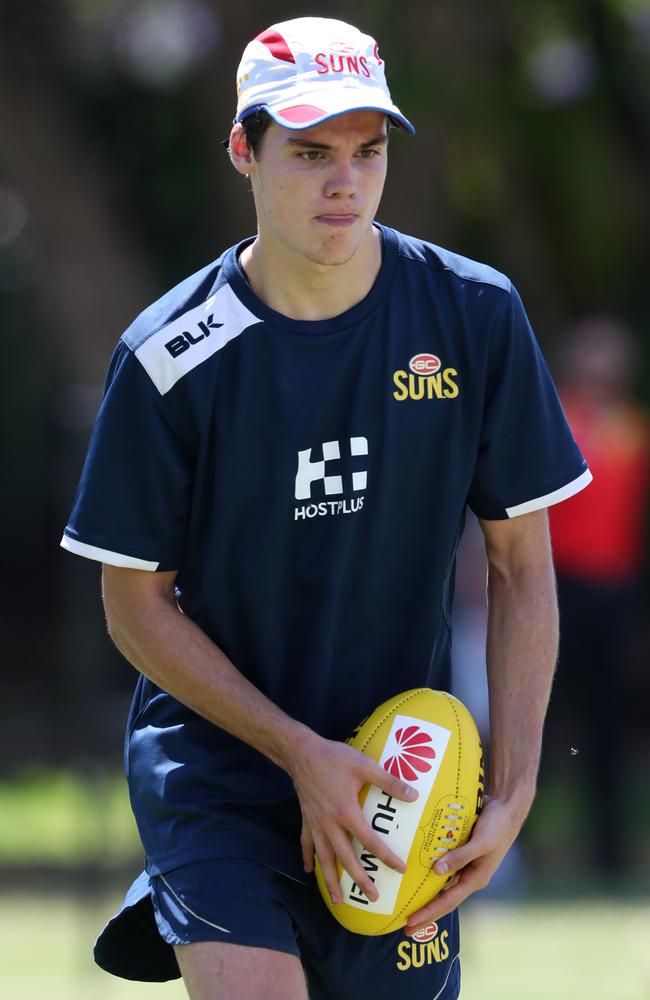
426, 379
427, 933
413, 756
424, 948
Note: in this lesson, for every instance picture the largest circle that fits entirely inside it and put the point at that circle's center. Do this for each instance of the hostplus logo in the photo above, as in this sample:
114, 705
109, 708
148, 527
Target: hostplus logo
318, 476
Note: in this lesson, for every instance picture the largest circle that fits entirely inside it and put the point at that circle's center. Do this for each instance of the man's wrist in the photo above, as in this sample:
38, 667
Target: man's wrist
518, 796
291, 743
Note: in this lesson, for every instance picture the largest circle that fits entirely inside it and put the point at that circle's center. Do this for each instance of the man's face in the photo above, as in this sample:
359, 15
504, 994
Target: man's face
317, 190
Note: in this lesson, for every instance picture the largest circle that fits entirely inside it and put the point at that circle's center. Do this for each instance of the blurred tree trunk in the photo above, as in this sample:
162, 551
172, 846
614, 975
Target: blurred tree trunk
90, 278
607, 29
93, 276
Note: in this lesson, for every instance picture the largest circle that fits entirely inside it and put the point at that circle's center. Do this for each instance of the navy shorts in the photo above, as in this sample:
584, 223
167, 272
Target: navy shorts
245, 902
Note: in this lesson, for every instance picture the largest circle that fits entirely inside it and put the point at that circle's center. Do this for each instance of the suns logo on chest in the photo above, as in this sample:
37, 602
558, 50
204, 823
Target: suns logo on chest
426, 379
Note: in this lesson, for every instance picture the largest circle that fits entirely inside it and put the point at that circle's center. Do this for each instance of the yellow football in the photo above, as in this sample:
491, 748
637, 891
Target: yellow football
429, 740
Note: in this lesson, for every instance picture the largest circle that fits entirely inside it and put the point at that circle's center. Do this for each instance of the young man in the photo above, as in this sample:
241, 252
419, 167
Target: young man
276, 485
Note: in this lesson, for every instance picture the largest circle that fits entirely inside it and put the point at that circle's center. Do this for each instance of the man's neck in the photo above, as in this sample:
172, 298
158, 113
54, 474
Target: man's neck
303, 290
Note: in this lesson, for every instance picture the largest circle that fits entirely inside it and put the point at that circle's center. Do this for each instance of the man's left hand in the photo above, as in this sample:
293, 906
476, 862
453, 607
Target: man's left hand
475, 862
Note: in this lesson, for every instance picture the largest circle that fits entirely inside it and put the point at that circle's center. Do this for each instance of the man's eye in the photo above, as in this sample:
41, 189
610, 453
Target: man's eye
367, 154
310, 154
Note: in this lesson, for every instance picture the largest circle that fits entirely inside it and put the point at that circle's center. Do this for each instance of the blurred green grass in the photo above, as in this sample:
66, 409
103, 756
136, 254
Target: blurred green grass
58, 817
526, 951
69, 847
46, 951
596, 950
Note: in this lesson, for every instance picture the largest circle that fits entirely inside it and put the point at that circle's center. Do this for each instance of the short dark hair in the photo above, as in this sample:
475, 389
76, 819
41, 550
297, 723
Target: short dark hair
255, 126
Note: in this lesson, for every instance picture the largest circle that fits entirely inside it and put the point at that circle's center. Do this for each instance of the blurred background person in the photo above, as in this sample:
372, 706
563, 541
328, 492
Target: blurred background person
600, 548
469, 620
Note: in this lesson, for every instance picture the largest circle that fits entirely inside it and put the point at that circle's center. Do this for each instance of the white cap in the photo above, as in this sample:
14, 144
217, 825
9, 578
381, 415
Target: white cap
305, 71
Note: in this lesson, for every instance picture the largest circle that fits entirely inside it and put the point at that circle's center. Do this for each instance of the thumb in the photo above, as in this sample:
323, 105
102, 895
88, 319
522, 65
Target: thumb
393, 786
459, 857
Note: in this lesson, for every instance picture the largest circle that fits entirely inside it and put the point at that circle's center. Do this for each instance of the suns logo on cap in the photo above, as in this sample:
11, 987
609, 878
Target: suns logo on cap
413, 756
339, 60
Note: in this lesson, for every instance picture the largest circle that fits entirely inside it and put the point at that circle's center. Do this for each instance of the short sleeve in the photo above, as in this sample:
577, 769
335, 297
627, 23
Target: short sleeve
132, 503
528, 458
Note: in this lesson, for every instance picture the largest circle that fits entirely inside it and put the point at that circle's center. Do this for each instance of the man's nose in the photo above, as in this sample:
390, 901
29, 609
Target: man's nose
341, 182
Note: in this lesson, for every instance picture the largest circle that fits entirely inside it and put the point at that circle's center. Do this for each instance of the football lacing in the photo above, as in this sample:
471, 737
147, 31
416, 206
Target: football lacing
452, 826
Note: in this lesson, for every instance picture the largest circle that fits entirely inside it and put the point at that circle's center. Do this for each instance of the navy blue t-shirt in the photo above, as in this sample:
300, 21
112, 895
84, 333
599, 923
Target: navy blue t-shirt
308, 481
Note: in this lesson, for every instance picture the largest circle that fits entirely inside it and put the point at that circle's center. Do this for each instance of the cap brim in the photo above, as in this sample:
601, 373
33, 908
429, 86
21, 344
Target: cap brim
308, 110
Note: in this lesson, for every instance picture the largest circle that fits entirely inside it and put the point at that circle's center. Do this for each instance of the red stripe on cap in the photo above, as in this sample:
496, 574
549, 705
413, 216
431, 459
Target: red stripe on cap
301, 113
276, 45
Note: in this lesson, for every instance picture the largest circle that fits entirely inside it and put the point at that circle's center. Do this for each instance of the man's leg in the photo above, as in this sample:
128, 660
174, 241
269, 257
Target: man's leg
213, 970
230, 925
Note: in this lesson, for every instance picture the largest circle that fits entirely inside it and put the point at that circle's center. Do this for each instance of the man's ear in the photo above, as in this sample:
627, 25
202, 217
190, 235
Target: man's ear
241, 155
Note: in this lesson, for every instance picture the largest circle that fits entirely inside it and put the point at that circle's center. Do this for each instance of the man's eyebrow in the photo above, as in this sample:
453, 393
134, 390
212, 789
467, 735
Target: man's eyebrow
379, 140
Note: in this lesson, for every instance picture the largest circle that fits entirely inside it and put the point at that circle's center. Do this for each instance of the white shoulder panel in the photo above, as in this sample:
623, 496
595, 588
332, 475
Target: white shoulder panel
193, 338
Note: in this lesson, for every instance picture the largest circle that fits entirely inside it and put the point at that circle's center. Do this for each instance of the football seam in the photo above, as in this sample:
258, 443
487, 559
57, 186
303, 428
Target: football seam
407, 698
459, 733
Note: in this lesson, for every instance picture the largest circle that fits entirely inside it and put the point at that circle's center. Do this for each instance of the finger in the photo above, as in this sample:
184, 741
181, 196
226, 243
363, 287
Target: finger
345, 852
327, 861
469, 882
307, 847
438, 908
454, 880
397, 789
376, 847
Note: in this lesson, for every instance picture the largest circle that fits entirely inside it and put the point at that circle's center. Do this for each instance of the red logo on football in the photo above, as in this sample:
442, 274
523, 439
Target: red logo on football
425, 364
427, 933
413, 756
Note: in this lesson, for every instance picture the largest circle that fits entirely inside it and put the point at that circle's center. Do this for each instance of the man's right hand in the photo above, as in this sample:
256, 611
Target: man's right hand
328, 777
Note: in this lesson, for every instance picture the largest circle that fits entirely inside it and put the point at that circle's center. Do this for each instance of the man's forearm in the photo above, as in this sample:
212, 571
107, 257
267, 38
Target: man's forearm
521, 653
173, 652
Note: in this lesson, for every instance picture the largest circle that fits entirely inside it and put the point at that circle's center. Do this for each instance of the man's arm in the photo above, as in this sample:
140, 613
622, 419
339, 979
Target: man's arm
522, 646
149, 629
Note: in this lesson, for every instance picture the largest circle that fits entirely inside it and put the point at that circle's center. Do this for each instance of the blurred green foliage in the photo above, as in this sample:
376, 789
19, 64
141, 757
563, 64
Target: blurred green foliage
58, 817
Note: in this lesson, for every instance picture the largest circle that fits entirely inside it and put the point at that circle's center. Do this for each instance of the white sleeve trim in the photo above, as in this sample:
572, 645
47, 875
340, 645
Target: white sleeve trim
106, 556
549, 499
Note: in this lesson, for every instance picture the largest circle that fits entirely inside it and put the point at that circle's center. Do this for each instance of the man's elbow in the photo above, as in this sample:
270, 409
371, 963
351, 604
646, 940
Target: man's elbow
117, 628
124, 609
113, 626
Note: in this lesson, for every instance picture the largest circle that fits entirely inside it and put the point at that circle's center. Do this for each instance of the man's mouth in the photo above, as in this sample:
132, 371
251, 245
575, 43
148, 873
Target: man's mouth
337, 219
